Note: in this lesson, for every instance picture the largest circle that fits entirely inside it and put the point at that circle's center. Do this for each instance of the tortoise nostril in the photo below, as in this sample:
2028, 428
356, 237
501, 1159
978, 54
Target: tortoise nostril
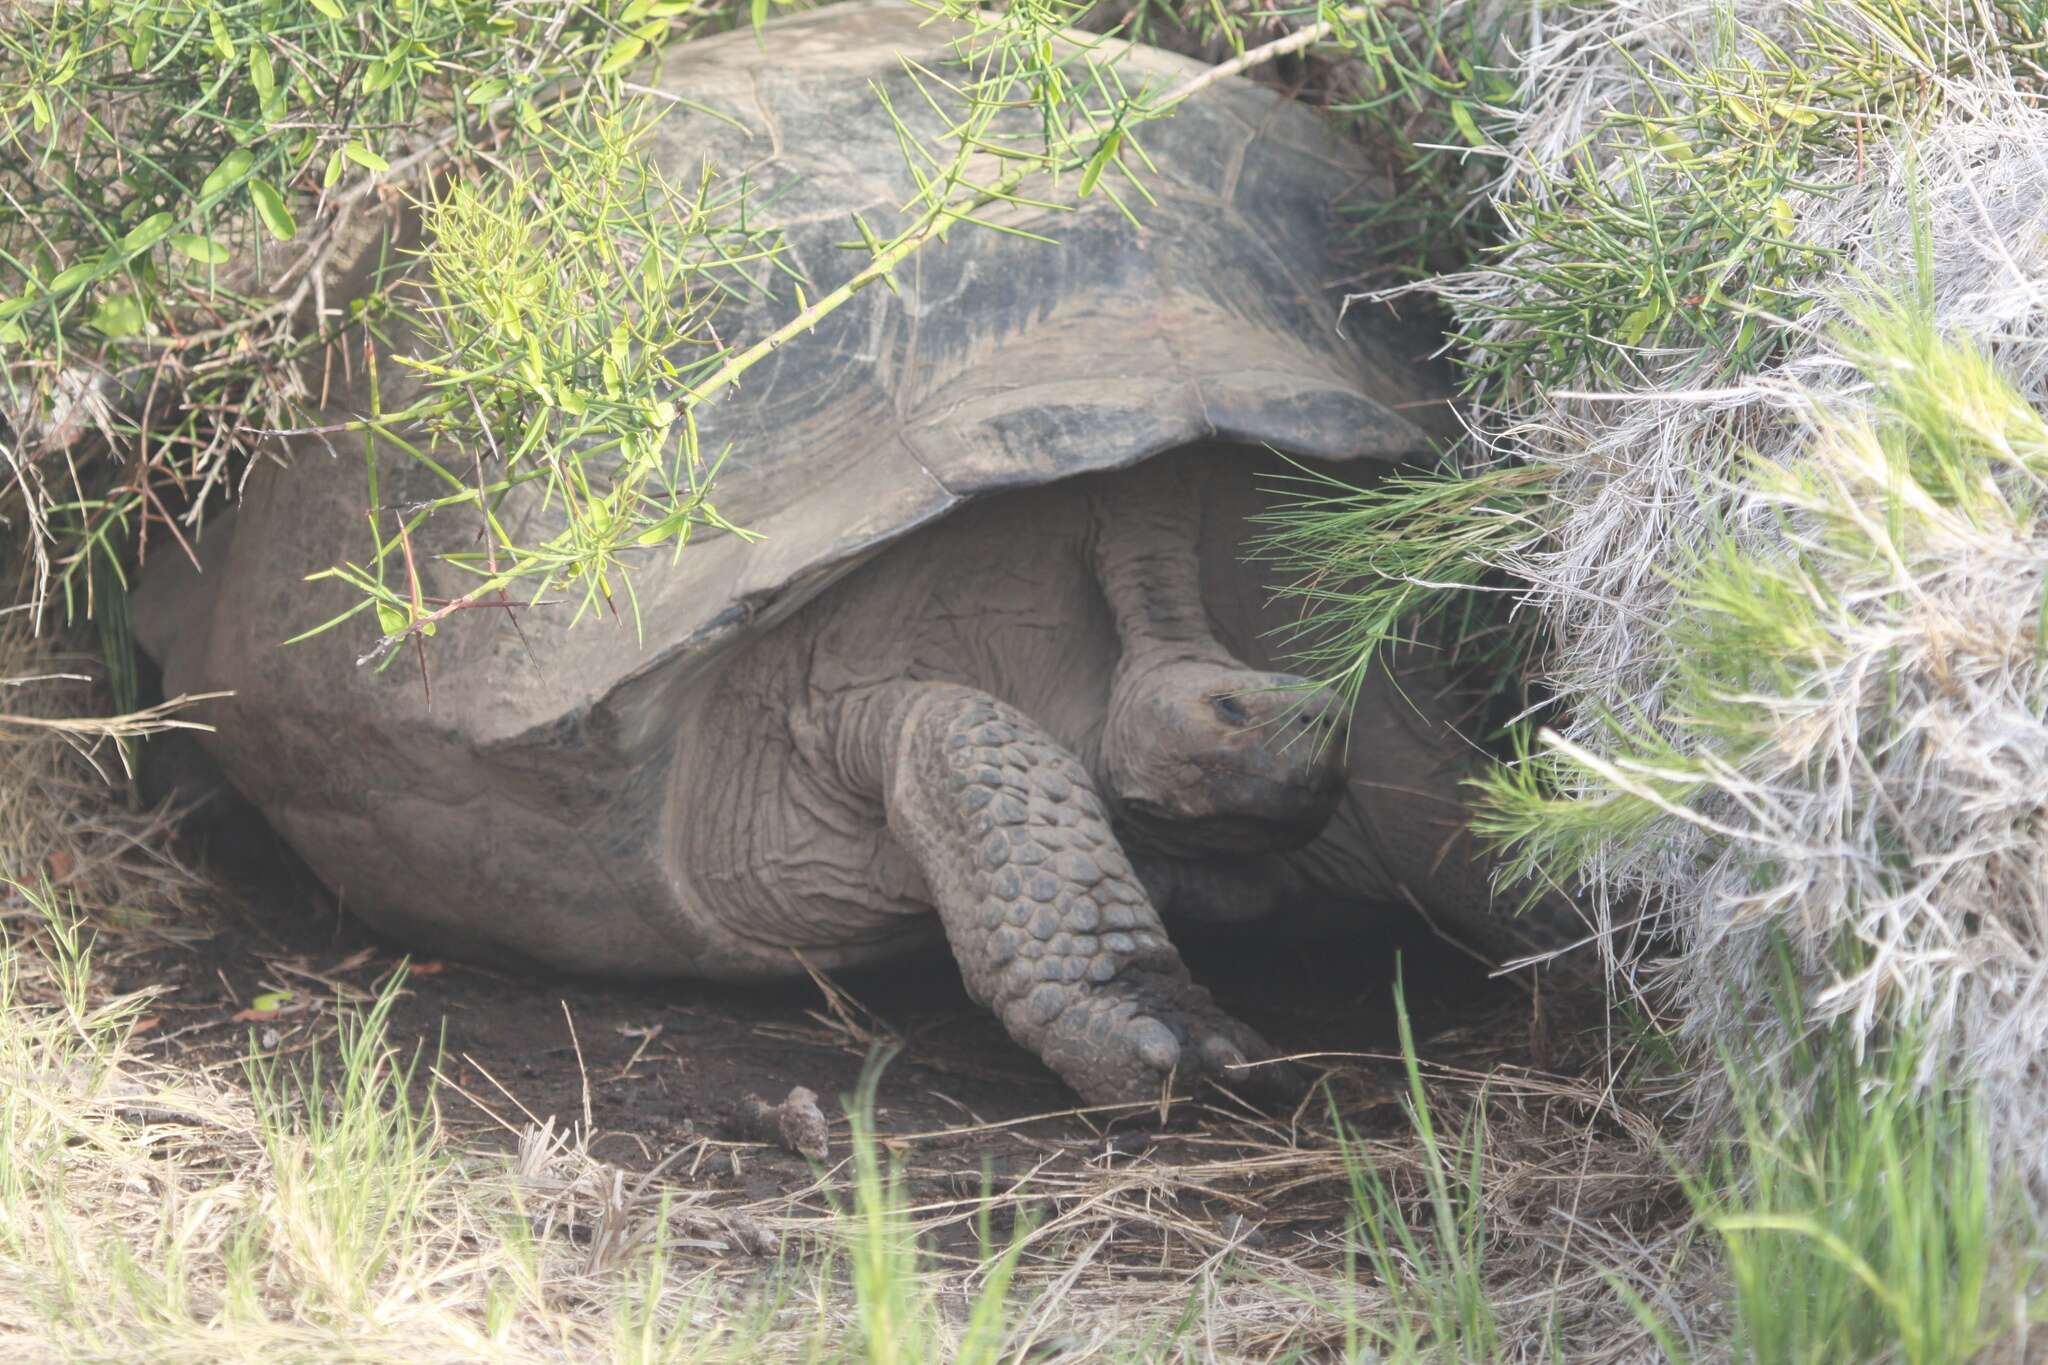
1231, 711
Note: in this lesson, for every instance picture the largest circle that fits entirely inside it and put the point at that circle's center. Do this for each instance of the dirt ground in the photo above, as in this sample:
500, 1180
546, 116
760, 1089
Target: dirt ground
660, 1069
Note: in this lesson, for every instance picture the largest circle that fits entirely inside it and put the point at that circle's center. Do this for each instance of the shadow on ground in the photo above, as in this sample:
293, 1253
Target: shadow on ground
656, 1072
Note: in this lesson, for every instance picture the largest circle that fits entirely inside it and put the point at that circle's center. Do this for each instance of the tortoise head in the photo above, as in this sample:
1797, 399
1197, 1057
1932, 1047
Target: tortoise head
1208, 756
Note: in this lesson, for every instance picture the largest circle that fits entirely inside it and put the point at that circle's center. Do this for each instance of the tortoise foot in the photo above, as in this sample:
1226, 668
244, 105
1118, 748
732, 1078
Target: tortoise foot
1145, 1035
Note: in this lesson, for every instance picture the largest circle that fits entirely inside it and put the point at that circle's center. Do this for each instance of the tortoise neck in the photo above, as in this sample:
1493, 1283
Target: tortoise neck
1148, 521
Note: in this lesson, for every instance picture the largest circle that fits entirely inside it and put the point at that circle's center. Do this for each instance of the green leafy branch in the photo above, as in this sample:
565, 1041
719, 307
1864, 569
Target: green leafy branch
533, 305
556, 301
177, 175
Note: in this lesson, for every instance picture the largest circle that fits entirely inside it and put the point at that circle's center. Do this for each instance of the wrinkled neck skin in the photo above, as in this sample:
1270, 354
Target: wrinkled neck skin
1199, 750
1146, 524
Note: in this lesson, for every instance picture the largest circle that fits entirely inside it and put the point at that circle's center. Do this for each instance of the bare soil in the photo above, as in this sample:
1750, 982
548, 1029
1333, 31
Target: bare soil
661, 1069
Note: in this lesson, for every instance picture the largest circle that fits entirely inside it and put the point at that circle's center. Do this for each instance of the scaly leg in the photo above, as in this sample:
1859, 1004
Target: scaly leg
1049, 923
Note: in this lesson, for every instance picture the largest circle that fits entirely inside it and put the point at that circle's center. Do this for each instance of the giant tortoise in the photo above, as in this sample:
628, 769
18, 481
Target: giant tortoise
994, 666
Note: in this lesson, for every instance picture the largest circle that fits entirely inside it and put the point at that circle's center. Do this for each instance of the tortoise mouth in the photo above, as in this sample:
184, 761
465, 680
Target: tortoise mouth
1285, 818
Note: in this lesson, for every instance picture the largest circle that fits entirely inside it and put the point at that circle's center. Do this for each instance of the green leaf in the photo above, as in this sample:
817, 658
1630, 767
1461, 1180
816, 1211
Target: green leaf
199, 247
1635, 324
147, 233
18, 304
223, 42
1461, 114
272, 1000
232, 168
67, 65
262, 74
1104, 154
271, 209
380, 75
142, 41
364, 157
622, 53
760, 14
331, 8
333, 171
390, 619
73, 276
1672, 147
118, 315
202, 249
483, 92
1783, 218
534, 370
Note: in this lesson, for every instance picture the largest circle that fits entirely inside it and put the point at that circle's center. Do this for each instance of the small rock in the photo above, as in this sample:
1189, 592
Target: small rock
750, 1236
796, 1124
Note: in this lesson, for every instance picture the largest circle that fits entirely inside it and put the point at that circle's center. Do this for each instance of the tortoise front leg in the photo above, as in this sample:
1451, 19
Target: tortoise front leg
1047, 919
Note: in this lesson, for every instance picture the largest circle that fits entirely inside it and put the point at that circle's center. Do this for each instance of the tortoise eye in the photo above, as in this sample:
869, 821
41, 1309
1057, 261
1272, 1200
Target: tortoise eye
1231, 711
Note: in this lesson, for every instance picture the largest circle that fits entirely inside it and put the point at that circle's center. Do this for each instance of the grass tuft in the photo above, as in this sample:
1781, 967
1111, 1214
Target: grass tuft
1858, 1210
1439, 1299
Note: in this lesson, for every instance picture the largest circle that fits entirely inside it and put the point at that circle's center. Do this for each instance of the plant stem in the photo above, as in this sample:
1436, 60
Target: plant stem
1258, 56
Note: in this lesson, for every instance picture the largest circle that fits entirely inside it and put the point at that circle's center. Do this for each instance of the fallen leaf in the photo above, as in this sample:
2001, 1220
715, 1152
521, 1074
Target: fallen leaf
264, 1007
61, 864
145, 1025
434, 968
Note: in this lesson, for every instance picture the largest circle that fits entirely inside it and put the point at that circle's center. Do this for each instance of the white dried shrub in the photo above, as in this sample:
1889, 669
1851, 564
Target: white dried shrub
1769, 321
